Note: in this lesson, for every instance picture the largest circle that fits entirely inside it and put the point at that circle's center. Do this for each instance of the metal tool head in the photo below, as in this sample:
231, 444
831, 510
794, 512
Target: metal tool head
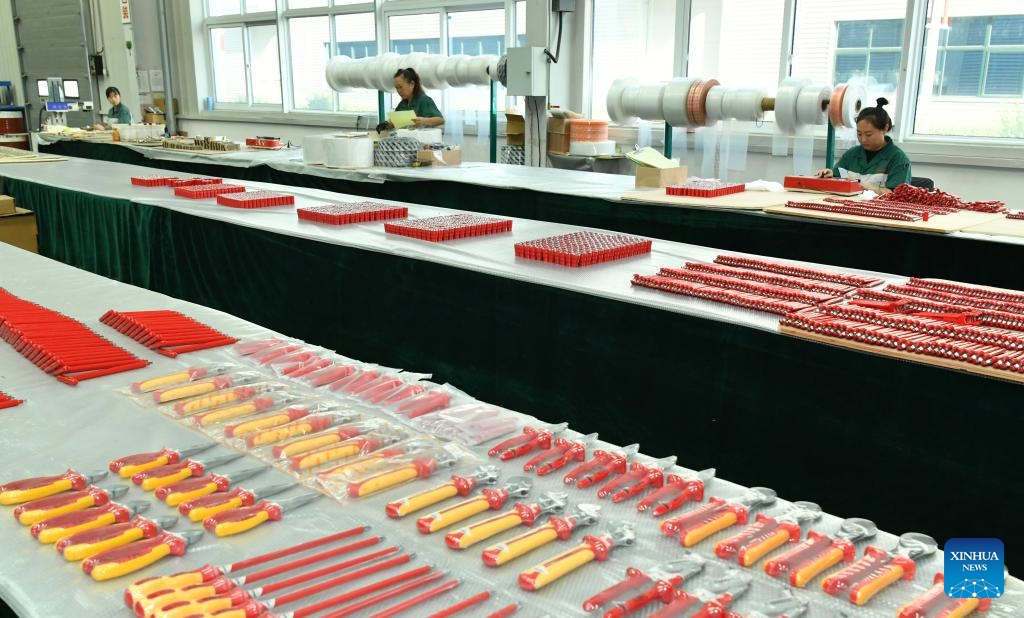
190, 536
189, 451
686, 566
915, 544
116, 491
241, 475
518, 486
486, 475
95, 475
213, 462
622, 533
756, 496
290, 504
789, 606
585, 514
164, 523
726, 581
136, 506
271, 490
856, 528
802, 511
553, 501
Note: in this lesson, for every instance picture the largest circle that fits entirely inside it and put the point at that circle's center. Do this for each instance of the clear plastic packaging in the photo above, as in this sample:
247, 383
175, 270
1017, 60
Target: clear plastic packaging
186, 375
469, 424
198, 388
233, 393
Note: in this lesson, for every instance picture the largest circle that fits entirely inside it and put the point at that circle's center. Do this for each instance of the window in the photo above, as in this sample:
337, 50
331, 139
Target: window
229, 65
475, 33
632, 38
244, 54
217, 8
310, 50
722, 35
972, 74
869, 50
355, 36
415, 33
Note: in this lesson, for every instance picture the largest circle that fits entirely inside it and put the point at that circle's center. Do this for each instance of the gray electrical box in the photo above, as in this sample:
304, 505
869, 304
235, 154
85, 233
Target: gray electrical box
527, 71
563, 6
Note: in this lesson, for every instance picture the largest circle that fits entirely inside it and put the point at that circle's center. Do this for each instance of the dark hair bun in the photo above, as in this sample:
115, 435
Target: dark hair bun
882, 101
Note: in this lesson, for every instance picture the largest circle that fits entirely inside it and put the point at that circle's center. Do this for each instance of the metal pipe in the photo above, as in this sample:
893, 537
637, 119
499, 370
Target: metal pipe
165, 63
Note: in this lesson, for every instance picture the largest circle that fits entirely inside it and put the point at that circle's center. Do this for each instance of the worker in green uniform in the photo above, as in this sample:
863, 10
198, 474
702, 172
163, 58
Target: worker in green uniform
877, 163
119, 112
409, 87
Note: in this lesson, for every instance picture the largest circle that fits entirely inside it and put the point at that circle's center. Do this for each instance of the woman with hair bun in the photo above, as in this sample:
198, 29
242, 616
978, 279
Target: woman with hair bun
409, 87
877, 162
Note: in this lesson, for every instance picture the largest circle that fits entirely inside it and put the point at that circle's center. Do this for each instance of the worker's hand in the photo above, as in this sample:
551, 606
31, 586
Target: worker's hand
384, 126
98, 127
422, 122
825, 173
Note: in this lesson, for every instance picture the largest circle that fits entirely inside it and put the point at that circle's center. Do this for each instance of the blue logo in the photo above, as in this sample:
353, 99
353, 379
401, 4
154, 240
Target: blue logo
973, 568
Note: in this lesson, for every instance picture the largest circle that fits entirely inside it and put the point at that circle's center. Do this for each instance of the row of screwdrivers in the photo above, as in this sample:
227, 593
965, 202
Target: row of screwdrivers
789, 281
965, 289
582, 248
745, 300
255, 199
6, 401
167, 332
346, 213
705, 188
60, 345
787, 268
860, 209
173, 181
449, 227
771, 290
960, 314
956, 298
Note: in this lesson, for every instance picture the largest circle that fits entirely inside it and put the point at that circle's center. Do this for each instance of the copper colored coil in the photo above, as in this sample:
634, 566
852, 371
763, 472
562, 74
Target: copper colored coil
696, 101
835, 105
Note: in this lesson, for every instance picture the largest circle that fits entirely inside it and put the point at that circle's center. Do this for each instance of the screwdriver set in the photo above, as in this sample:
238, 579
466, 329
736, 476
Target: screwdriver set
705, 188
965, 289
746, 300
449, 227
786, 268
195, 181
204, 191
582, 248
355, 212
166, 332
6, 401
863, 209
256, 199
59, 345
771, 290
153, 181
910, 194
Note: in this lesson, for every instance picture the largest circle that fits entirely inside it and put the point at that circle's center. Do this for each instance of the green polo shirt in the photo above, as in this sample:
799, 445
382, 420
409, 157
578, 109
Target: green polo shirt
423, 105
890, 160
122, 113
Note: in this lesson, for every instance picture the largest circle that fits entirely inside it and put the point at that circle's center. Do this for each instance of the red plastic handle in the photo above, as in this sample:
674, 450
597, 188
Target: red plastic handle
142, 458
77, 518
243, 513
77, 481
215, 500
100, 497
222, 483
136, 550
88, 537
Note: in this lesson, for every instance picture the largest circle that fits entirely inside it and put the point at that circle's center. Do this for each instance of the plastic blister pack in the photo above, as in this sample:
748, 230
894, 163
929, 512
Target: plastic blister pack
197, 388
228, 393
310, 453
186, 375
265, 430
212, 420
469, 424
408, 404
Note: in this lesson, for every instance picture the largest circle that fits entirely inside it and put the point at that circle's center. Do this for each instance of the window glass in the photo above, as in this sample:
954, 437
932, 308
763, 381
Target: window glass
475, 33
228, 65
216, 8
310, 47
265, 65
722, 35
356, 37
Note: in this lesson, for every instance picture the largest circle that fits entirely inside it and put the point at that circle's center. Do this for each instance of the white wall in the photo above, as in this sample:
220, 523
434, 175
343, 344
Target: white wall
10, 67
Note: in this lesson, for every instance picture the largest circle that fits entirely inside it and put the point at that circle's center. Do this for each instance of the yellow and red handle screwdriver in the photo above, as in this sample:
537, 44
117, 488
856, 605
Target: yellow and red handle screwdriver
489, 499
556, 528
261, 436
562, 451
676, 492
333, 435
342, 450
198, 509
820, 552
156, 478
134, 556
592, 548
270, 420
457, 486
81, 545
694, 526
126, 466
51, 530
202, 387
173, 379
176, 493
26, 490
202, 403
144, 587
420, 467
936, 604
520, 514
364, 464
242, 409
767, 534
246, 518
68, 502
878, 569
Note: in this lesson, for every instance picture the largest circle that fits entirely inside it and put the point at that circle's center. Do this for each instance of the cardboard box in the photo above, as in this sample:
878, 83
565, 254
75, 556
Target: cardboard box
439, 157
558, 125
656, 177
6, 205
161, 102
558, 142
19, 229
154, 118
515, 130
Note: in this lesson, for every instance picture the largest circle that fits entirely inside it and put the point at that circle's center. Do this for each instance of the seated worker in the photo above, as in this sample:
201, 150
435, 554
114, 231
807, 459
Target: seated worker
119, 112
877, 163
407, 84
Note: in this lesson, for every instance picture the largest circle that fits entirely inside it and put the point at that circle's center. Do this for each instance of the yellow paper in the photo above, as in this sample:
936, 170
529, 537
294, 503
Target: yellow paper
401, 119
649, 157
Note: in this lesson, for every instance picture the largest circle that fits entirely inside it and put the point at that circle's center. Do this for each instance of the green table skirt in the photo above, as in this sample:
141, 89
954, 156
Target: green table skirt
910, 446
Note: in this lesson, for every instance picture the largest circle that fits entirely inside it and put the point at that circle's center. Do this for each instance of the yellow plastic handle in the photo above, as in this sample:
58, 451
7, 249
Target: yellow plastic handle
719, 523
386, 480
146, 587
420, 501
456, 513
471, 535
156, 482
154, 383
17, 496
523, 544
235, 527
205, 403
188, 390
181, 496
829, 559
562, 564
309, 444
74, 553
226, 414
276, 435
130, 471
891, 575
323, 456
261, 423
755, 553
202, 512
149, 606
30, 517
52, 535
199, 607
110, 570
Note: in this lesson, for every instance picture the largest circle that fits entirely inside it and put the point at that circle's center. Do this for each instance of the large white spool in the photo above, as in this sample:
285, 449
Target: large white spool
349, 151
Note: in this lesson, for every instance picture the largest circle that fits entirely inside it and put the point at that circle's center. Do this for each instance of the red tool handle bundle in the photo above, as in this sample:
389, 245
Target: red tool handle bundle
784, 268
58, 344
705, 188
754, 287
956, 299
865, 209
167, 332
6, 401
921, 209
582, 248
193, 182
988, 335
918, 195
357, 212
968, 315
746, 300
800, 283
965, 289
1016, 214
199, 192
153, 181
449, 227
255, 199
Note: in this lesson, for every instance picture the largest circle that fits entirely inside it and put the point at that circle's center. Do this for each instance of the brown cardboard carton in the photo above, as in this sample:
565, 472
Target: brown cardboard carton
154, 118
515, 129
439, 157
655, 177
19, 229
6, 205
161, 102
558, 142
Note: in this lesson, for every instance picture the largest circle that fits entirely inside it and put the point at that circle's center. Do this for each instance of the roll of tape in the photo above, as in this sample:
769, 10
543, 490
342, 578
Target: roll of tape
348, 151
592, 149
853, 102
313, 152
673, 101
713, 104
812, 104
336, 72
648, 101
615, 101
835, 106
696, 102
786, 103
742, 103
